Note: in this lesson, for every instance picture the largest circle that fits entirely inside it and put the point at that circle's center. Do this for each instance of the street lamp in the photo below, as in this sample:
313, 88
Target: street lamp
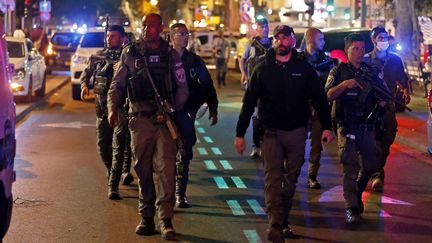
153, 2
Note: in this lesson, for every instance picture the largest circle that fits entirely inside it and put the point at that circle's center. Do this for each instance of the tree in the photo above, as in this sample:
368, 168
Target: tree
407, 28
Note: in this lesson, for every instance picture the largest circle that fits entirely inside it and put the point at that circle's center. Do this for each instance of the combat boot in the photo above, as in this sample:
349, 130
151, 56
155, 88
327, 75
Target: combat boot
146, 227
275, 234
182, 202
312, 183
287, 231
127, 179
167, 230
352, 216
113, 193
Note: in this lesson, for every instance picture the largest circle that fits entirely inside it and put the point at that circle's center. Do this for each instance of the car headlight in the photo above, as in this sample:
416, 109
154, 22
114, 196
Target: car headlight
20, 73
16, 87
79, 59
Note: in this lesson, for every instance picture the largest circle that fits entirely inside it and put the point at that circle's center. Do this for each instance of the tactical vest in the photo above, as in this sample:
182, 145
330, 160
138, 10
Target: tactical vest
349, 109
158, 61
260, 51
197, 86
102, 79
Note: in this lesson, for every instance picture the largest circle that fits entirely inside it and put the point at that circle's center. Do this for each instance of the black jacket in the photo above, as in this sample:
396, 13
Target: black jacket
282, 92
200, 84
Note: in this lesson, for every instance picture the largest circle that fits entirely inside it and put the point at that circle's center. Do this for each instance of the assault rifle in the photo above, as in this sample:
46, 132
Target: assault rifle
368, 78
166, 112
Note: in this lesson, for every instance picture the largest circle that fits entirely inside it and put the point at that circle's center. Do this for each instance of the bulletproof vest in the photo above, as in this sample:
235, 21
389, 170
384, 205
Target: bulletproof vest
260, 51
139, 86
196, 86
322, 65
349, 109
105, 71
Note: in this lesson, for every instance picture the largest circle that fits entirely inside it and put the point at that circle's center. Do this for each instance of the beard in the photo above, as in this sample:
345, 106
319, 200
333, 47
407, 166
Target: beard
283, 50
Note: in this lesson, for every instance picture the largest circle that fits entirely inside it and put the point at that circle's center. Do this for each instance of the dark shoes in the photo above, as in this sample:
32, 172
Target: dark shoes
275, 234
113, 194
377, 184
313, 184
352, 216
146, 227
182, 202
167, 230
126, 179
287, 232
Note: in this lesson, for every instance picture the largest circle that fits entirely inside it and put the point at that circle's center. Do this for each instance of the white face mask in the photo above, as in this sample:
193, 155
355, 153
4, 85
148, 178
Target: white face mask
382, 45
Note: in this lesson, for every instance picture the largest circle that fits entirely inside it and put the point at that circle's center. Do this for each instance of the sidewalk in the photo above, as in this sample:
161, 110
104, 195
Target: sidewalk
412, 126
53, 84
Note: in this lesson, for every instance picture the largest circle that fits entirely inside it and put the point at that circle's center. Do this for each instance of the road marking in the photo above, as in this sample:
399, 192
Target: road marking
256, 207
200, 130
252, 236
335, 194
216, 151
225, 164
384, 214
67, 125
210, 165
197, 123
220, 182
202, 151
208, 139
235, 207
238, 182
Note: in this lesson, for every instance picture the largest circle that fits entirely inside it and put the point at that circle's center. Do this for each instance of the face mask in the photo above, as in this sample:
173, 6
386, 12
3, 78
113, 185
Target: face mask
382, 45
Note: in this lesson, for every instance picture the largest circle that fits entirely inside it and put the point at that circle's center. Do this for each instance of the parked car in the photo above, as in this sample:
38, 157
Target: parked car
91, 42
61, 47
334, 41
29, 65
7, 138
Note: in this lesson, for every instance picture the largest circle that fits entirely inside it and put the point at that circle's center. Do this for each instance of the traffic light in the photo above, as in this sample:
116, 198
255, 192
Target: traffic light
330, 6
357, 9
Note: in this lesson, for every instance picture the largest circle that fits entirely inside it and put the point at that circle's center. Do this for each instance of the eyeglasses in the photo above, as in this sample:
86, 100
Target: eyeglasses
182, 34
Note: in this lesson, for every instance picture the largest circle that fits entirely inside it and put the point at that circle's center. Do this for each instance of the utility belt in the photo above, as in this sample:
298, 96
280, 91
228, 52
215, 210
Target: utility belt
153, 116
360, 127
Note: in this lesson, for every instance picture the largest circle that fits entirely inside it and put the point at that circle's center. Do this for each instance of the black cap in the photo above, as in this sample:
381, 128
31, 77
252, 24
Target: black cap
284, 29
377, 30
117, 28
262, 21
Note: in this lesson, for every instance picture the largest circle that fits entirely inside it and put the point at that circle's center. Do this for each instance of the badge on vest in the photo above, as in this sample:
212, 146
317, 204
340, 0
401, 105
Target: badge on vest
180, 73
155, 58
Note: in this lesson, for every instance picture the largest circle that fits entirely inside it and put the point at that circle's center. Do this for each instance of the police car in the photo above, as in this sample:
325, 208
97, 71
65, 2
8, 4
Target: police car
7, 138
91, 42
29, 74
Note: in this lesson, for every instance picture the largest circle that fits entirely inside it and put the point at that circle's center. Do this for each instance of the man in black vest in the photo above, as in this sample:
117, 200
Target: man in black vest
113, 145
322, 64
253, 54
201, 90
356, 111
153, 147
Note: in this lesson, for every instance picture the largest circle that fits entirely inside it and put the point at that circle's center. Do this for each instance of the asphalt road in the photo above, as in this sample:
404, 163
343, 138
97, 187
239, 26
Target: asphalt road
61, 190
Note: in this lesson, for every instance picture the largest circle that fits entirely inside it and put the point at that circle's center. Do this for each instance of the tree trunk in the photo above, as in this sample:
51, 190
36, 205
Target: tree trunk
407, 29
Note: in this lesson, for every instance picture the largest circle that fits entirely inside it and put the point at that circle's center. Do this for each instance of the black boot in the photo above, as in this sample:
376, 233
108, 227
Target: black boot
127, 179
113, 193
146, 227
167, 230
352, 216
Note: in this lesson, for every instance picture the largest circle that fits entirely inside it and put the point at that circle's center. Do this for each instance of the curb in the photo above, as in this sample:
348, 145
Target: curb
407, 142
35, 104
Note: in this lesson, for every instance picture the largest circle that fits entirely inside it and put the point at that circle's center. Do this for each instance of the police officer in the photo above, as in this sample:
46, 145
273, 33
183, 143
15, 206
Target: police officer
322, 64
221, 50
282, 83
112, 142
201, 90
392, 71
254, 50
153, 148
356, 124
